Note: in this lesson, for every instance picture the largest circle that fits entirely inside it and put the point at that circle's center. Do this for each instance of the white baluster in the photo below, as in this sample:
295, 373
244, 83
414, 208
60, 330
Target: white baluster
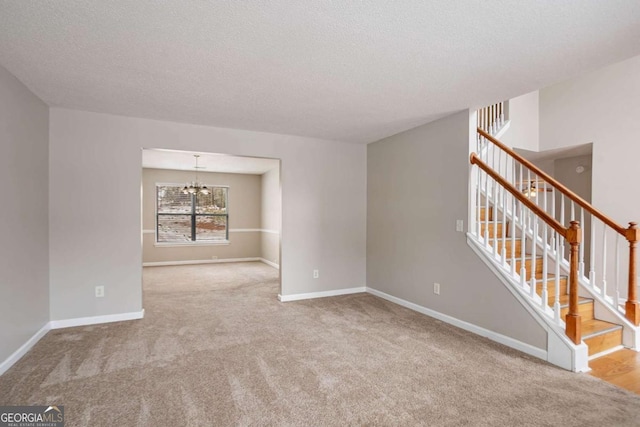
486, 211
604, 261
496, 205
529, 186
473, 203
493, 119
556, 305
545, 243
523, 245
581, 263
503, 252
545, 294
553, 209
513, 236
534, 247
478, 205
521, 216
499, 173
616, 302
592, 255
573, 212
562, 222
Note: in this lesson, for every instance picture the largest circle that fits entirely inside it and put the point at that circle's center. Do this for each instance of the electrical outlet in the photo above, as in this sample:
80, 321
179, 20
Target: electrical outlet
436, 288
214, 257
316, 274
460, 225
99, 291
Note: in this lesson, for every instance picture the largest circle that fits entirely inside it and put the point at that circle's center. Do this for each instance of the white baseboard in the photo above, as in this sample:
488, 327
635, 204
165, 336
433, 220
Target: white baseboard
24, 348
494, 336
198, 261
272, 264
322, 294
94, 320
66, 323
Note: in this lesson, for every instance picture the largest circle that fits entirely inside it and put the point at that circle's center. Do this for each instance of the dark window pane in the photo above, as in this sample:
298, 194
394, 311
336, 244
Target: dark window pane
173, 200
174, 228
211, 228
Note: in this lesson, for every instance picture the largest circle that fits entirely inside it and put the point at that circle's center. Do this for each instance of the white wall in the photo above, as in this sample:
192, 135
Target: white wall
602, 107
417, 187
96, 228
271, 216
524, 131
24, 224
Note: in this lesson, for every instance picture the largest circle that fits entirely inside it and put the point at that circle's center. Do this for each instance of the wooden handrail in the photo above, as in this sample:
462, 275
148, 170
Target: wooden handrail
552, 222
570, 194
632, 233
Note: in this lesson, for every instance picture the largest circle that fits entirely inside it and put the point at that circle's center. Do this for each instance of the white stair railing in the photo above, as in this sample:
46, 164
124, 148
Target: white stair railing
499, 205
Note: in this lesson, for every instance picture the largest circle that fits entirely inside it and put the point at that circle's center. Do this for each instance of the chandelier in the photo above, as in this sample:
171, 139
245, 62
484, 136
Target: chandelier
195, 187
531, 190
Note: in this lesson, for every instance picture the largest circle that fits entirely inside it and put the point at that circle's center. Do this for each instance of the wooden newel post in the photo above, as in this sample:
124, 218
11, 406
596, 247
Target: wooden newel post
632, 307
572, 319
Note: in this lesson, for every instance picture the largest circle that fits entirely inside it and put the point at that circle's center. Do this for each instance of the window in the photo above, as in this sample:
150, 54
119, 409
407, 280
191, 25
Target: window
184, 218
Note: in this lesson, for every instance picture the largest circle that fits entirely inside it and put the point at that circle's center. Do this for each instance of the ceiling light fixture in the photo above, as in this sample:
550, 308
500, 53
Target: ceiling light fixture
531, 190
195, 187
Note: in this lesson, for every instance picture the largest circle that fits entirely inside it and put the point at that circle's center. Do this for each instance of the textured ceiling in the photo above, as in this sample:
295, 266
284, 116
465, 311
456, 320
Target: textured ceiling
184, 160
351, 71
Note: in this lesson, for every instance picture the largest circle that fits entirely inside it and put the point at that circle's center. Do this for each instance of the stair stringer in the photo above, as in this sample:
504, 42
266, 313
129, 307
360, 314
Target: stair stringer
560, 350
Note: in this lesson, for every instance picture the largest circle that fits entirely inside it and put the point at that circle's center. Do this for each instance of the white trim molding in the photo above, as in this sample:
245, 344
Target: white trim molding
94, 320
272, 264
199, 261
252, 230
24, 348
494, 336
66, 323
321, 294
188, 244
270, 231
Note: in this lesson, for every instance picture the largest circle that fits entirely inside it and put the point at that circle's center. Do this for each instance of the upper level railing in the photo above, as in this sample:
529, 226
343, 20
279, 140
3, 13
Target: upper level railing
600, 235
492, 118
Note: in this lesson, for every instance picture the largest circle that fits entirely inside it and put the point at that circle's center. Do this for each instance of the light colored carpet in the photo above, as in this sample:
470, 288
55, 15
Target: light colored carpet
217, 348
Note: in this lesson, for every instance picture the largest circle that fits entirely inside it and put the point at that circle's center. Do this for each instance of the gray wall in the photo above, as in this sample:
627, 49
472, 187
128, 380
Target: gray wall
579, 183
24, 222
271, 216
98, 241
417, 186
245, 194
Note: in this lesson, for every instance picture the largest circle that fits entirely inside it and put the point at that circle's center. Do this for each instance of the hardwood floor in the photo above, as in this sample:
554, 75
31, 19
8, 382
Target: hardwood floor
621, 368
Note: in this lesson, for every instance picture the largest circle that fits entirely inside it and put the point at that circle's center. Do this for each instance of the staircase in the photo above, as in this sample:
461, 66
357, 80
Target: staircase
600, 336
527, 227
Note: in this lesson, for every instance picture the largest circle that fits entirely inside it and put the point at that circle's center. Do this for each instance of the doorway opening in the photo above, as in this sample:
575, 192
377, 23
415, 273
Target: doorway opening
208, 208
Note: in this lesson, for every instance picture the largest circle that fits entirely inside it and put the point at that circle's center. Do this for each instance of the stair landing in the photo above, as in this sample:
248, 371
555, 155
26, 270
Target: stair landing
621, 368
